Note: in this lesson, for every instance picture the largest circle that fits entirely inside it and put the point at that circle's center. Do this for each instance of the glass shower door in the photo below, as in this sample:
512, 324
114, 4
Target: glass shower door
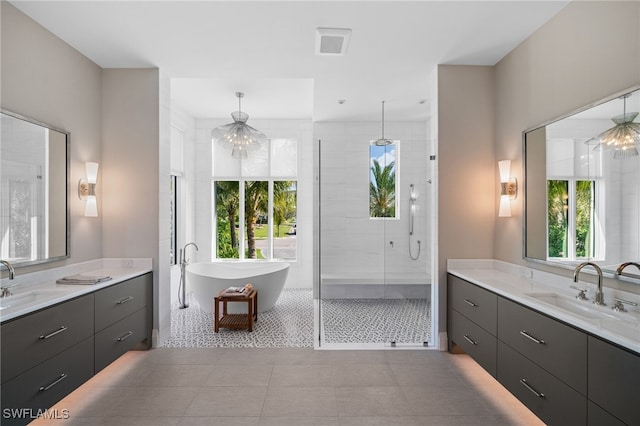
404, 309
372, 291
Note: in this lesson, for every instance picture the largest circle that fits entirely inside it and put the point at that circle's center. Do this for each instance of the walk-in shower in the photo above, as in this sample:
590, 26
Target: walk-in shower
374, 286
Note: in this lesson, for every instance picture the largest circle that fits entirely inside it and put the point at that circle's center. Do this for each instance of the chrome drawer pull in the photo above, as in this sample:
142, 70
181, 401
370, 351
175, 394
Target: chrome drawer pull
58, 331
528, 386
124, 336
530, 337
470, 303
469, 340
125, 300
55, 382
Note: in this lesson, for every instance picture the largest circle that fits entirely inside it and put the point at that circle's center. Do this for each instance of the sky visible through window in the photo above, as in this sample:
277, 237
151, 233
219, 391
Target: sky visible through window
382, 180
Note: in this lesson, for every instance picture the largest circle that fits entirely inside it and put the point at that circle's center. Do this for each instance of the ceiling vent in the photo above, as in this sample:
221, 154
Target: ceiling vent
332, 41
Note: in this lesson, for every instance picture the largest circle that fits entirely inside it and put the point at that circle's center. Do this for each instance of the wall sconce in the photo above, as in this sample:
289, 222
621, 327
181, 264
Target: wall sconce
508, 188
87, 190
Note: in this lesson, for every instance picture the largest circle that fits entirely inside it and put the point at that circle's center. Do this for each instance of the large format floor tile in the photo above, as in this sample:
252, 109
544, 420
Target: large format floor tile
291, 386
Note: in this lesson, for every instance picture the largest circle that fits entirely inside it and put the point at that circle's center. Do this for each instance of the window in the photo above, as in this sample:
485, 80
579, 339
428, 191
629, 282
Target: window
572, 219
256, 202
176, 146
383, 185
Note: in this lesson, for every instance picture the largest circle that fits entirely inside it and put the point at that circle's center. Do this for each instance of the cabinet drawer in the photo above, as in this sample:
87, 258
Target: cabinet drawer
475, 341
596, 416
30, 340
475, 303
614, 379
549, 398
118, 338
560, 349
44, 385
116, 302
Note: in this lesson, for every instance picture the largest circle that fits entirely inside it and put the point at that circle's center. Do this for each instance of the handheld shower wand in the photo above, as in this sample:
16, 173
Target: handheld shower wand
182, 289
412, 213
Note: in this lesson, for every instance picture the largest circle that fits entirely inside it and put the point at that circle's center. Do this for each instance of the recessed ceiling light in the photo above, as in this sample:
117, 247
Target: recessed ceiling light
332, 41
342, 101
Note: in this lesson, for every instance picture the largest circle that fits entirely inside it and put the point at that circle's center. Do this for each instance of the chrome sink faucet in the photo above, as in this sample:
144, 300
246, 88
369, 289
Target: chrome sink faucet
599, 300
624, 265
4, 291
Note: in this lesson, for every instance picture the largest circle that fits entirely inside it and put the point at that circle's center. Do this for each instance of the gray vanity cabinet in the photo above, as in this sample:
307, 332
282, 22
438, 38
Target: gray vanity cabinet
565, 375
118, 338
614, 380
553, 401
45, 355
32, 339
49, 353
475, 303
116, 302
558, 348
122, 319
47, 383
596, 416
473, 322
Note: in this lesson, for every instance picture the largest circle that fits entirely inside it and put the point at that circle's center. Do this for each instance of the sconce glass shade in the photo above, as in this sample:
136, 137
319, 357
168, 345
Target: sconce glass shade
238, 136
92, 172
504, 167
505, 206
91, 208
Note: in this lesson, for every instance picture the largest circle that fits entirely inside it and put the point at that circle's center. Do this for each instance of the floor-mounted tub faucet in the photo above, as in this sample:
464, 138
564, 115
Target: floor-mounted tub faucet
599, 300
4, 291
182, 289
183, 252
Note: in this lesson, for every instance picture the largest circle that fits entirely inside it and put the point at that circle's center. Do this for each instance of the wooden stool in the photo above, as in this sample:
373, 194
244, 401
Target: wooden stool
236, 321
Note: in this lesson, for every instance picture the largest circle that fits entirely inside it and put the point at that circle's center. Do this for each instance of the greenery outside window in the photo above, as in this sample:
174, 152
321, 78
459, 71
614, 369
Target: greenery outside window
572, 219
255, 203
383, 182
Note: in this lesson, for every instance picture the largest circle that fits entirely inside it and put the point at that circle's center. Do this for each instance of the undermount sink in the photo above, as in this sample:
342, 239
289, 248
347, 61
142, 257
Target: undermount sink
581, 308
28, 298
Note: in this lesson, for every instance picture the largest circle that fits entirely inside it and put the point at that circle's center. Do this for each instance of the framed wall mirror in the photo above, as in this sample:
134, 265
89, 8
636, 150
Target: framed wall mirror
582, 186
34, 204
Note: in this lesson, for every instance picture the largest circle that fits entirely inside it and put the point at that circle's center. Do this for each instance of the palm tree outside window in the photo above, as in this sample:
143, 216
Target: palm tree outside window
255, 203
383, 164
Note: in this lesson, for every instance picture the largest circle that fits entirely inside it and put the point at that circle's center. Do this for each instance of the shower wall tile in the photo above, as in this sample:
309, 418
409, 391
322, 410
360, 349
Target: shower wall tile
360, 247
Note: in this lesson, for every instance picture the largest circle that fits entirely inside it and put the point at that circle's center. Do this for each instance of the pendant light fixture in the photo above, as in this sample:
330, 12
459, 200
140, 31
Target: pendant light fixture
383, 141
238, 136
624, 137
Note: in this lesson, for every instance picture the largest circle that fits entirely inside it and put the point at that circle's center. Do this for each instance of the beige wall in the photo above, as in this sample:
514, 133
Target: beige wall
467, 168
113, 117
45, 79
589, 51
130, 155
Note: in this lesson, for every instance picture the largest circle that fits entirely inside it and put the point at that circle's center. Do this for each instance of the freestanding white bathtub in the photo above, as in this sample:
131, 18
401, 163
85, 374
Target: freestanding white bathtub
207, 279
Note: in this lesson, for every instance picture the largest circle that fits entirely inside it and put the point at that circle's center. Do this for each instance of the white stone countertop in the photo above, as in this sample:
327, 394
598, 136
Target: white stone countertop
522, 285
37, 290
